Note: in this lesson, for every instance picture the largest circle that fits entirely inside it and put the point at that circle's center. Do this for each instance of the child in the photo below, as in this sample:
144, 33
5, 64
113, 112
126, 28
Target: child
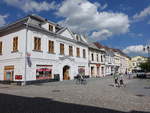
116, 82
121, 82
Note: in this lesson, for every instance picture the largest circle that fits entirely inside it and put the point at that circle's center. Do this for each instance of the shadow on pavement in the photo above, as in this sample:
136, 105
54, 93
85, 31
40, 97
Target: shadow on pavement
18, 104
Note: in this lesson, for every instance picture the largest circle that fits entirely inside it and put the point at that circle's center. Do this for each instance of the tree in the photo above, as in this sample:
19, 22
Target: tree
145, 66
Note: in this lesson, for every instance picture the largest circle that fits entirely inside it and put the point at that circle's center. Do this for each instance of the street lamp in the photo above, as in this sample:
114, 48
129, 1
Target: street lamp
147, 49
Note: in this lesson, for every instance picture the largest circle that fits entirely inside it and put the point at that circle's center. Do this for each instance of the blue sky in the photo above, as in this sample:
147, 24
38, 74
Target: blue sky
122, 24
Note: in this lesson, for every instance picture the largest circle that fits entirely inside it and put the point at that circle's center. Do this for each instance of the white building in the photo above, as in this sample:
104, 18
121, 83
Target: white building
109, 63
96, 61
35, 49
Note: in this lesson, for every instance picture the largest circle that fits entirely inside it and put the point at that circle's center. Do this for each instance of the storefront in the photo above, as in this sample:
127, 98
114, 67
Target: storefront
81, 70
9, 73
43, 72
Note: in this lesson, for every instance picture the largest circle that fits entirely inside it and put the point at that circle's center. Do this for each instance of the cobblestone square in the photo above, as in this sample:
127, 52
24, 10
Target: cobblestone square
98, 96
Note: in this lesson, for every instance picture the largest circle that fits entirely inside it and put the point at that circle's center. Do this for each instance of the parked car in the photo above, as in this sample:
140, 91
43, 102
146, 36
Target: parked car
141, 74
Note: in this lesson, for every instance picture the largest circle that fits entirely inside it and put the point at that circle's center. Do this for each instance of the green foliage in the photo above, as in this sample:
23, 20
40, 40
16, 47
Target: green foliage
145, 66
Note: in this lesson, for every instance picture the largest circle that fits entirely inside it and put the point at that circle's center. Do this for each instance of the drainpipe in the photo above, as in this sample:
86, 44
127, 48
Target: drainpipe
25, 67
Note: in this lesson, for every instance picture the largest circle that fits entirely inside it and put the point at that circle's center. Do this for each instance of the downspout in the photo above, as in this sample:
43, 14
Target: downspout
25, 69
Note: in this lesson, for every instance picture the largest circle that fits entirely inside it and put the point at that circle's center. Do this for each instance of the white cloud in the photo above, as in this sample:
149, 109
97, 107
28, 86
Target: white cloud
134, 49
149, 22
101, 35
83, 16
142, 14
2, 19
135, 35
31, 5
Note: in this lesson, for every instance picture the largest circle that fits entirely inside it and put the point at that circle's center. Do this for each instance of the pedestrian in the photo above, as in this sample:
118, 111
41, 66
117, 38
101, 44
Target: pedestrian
121, 81
115, 76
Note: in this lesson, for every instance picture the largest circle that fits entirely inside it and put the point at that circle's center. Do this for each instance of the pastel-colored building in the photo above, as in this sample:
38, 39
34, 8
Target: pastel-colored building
136, 60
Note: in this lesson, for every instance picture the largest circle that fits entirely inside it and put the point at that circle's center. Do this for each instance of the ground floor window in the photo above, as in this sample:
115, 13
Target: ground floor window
81, 70
43, 71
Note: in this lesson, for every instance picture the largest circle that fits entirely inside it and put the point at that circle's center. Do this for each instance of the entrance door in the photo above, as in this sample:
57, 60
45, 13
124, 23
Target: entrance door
92, 71
8, 73
66, 73
97, 71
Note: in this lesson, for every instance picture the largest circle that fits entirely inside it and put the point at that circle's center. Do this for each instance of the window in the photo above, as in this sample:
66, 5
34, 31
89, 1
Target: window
92, 55
84, 53
50, 27
1, 48
77, 37
97, 58
43, 72
70, 51
61, 49
78, 52
101, 58
37, 44
15, 44
51, 46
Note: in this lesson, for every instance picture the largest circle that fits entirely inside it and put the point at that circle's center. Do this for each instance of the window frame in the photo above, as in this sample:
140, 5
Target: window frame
50, 46
62, 49
84, 53
78, 51
1, 47
37, 44
70, 50
15, 44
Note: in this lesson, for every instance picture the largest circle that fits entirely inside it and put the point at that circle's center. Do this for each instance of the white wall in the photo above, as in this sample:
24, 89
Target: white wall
13, 58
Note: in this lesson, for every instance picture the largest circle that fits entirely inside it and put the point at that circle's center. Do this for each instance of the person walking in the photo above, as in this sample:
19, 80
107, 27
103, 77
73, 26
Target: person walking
121, 81
115, 76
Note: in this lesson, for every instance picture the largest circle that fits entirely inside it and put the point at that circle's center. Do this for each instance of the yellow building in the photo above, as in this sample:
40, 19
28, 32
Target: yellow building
135, 62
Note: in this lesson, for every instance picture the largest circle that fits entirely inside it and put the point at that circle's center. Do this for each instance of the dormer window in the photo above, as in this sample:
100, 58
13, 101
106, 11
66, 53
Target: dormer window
50, 27
77, 37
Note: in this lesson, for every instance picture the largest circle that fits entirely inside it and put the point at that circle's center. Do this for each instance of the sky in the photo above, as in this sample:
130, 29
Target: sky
121, 24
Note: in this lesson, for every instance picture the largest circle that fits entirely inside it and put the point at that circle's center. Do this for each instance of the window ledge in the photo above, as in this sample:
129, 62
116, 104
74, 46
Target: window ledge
51, 53
14, 51
62, 54
37, 51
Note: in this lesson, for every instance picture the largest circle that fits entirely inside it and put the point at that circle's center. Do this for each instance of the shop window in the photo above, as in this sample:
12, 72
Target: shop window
37, 44
70, 51
44, 72
78, 52
51, 46
1, 47
15, 44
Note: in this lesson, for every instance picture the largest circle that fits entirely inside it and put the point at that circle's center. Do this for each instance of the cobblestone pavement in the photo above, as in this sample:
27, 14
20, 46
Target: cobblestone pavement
98, 96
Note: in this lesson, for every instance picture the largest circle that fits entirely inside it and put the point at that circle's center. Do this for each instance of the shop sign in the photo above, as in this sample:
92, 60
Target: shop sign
98, 65
18, 77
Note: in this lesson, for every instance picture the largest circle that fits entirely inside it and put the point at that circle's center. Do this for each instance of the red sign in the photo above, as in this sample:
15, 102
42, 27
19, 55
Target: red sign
43, 69
98, 65
18, 77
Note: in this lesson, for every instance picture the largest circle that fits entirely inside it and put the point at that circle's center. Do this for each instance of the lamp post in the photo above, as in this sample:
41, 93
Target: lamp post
147, 49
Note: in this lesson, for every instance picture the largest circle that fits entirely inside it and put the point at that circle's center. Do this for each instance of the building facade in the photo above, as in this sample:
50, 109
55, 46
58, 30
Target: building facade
135, 62
96, 61
35, 49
